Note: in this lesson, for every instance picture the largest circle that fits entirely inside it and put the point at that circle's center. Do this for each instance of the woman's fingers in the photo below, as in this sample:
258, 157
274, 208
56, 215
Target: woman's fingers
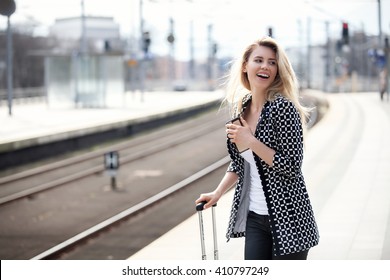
231, 131
208, 198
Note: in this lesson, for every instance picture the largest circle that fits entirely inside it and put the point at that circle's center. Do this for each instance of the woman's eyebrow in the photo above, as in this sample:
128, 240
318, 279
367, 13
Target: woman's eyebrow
259, 56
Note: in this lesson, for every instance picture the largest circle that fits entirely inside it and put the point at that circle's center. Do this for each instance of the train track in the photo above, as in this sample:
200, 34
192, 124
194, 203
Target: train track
72, 243
80, 200
31, 182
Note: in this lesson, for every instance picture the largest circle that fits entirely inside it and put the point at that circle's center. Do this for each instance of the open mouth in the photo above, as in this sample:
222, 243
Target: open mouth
262, 75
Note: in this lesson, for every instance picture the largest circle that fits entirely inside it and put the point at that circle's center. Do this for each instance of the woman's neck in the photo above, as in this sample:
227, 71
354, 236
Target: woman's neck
258, 101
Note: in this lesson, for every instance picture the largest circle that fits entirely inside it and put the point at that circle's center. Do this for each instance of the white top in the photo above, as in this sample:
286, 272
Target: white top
257, 201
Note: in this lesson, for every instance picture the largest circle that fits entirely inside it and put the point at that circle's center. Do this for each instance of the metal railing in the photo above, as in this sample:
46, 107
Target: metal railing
24, 94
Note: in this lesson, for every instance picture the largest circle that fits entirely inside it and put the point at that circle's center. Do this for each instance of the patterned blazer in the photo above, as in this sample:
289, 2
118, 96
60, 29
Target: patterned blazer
291, 216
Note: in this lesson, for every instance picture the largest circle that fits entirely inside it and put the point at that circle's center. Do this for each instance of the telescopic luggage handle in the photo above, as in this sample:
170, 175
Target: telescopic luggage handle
200, 205
199, 209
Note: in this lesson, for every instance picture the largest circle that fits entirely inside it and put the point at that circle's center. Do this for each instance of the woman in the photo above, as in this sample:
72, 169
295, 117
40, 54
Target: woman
271, 207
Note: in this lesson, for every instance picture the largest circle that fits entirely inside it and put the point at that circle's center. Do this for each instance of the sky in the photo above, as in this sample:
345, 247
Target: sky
235, 23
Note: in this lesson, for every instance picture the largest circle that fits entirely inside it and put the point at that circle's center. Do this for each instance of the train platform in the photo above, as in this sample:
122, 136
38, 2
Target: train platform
32, 123
346, 167
37, 124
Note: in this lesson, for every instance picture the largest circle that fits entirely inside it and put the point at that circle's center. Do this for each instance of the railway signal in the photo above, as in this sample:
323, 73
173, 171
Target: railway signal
345, 33
270, 32
146, 40
111, 162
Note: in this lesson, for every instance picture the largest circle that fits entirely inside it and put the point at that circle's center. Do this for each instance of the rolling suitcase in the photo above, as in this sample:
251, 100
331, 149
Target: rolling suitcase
199, 209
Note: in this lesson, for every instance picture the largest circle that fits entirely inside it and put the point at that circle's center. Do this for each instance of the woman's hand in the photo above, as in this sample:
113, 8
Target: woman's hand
240, 135
211, 198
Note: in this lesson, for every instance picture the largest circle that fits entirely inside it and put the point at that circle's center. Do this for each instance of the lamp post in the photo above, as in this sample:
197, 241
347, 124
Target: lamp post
83, 30
380, 25
141, 43
7, 8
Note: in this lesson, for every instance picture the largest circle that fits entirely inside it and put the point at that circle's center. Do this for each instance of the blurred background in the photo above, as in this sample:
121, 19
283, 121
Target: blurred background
117, 111
187, 44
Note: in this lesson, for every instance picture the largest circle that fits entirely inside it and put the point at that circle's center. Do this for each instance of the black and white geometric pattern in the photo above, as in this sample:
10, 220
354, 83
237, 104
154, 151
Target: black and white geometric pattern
291, 216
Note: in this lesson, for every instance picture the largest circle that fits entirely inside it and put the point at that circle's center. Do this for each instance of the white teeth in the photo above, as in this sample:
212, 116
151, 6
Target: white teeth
263, 76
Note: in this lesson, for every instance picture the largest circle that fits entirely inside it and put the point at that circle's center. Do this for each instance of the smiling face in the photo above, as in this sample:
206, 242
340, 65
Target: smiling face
261, 67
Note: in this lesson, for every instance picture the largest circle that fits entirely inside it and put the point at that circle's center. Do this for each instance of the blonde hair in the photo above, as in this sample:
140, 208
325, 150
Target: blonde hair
285, 82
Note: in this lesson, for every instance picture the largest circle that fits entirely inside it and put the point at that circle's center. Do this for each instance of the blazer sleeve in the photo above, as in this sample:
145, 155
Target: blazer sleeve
289, 139
232, 167
233, 164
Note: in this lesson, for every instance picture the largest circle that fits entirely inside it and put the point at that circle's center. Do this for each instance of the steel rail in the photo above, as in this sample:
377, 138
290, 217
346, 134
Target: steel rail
142, 206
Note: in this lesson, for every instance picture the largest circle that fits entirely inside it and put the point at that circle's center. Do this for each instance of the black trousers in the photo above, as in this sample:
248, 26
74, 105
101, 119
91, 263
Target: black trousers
258, 240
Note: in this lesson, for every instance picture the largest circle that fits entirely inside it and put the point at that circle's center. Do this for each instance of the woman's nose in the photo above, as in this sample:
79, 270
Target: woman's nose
264, 65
